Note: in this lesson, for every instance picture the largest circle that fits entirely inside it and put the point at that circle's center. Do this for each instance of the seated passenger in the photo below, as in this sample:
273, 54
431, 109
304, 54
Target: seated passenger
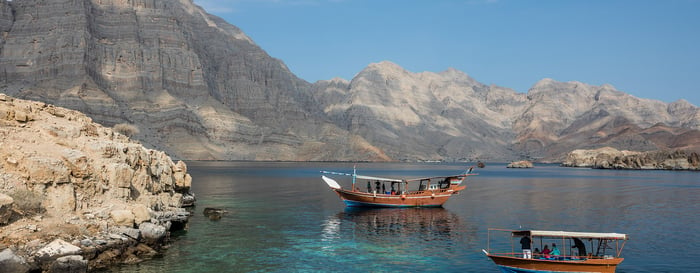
546, 251
555, 250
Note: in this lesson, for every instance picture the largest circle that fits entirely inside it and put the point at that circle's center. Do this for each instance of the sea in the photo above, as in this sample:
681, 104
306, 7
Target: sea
283, 218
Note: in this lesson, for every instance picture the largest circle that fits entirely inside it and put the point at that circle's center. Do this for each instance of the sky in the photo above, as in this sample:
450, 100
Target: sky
647, 48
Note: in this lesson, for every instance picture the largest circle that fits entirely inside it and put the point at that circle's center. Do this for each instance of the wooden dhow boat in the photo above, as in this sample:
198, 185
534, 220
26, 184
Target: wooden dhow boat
388, 192
572, 256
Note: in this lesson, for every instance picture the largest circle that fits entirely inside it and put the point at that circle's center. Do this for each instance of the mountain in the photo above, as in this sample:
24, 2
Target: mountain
196, 86
433, 116
451, 116
199, 88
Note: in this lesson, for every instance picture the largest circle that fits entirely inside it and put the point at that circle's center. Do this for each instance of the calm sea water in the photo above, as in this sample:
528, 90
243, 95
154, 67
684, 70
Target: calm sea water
283, 218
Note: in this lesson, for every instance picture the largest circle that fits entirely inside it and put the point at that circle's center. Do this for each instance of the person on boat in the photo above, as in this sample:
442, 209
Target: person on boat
393, 191
578, 244
376, 183
525, 244
369, 187
555, 250
536, 253
546, 251
383, 189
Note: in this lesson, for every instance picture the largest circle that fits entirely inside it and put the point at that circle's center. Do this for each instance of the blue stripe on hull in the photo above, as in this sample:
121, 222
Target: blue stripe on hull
351, 203
509, 269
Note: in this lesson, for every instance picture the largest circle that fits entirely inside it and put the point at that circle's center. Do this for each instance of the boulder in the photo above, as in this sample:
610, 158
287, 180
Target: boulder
9, 262
122, 217
71, 263
5, 208
59, 199
141, 213
57, 248
151, 232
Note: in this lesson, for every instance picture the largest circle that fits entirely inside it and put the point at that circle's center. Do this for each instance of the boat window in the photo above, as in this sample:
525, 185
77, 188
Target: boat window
424, 185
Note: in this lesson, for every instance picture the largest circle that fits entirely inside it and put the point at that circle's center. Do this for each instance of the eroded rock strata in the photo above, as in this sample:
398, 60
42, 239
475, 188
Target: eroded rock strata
610, 158
75, 194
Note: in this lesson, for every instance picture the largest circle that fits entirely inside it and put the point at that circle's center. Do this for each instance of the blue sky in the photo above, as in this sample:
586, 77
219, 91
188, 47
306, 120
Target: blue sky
650, 49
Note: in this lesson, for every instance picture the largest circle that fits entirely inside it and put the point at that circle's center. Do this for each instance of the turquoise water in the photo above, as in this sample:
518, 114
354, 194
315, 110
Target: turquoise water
283, 218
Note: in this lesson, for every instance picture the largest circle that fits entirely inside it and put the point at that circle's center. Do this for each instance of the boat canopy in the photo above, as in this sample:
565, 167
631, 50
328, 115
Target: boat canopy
570, 234
365, 177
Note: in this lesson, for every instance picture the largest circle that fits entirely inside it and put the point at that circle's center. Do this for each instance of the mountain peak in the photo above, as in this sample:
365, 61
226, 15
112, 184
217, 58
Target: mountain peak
385, 66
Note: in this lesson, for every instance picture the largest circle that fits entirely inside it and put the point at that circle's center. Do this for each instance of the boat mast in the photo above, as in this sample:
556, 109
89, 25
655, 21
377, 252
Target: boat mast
354, 174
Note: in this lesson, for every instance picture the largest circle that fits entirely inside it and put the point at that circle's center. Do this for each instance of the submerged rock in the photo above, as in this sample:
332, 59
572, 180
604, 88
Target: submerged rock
214, 213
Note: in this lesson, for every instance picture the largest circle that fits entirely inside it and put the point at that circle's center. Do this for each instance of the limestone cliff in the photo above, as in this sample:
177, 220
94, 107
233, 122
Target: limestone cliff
195, 86
70, 179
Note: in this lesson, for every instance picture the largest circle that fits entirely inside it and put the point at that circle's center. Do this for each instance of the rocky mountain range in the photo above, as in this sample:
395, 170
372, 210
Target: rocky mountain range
198, 88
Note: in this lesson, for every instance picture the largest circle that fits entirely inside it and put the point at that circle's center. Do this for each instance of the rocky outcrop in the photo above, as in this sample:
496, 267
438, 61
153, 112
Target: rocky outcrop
77, 190
610, 158
522, 164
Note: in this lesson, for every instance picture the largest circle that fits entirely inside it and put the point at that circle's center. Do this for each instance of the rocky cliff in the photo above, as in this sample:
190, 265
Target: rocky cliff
610, 158
195, 86
199, 88
75, 193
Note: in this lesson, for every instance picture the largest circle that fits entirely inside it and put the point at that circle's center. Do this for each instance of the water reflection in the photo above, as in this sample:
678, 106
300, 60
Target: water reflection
409, 224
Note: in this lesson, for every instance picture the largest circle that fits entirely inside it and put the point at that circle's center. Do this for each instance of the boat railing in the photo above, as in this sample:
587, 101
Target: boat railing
547, 257
424, 191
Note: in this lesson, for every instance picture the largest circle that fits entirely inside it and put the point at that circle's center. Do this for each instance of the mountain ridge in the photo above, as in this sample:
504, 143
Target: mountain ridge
199, 88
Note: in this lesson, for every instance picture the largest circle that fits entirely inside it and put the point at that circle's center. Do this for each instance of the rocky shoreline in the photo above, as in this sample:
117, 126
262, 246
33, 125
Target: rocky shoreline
610, 158
77, 197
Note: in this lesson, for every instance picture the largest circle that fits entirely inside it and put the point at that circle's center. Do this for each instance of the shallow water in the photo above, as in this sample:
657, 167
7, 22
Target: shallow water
283, 218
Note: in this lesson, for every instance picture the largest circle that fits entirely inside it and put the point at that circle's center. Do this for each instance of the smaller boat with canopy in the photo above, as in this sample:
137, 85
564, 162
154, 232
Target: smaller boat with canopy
576, 251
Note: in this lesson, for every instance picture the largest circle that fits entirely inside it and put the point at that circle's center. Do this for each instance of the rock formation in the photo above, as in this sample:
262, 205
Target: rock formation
610, 158
74, 187
523, 164
199, 88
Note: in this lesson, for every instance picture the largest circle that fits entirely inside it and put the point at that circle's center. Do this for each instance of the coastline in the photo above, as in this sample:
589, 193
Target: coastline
610, 158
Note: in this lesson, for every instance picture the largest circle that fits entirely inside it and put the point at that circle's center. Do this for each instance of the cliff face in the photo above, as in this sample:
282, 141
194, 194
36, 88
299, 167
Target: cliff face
199, 88
195, 86
70, 179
